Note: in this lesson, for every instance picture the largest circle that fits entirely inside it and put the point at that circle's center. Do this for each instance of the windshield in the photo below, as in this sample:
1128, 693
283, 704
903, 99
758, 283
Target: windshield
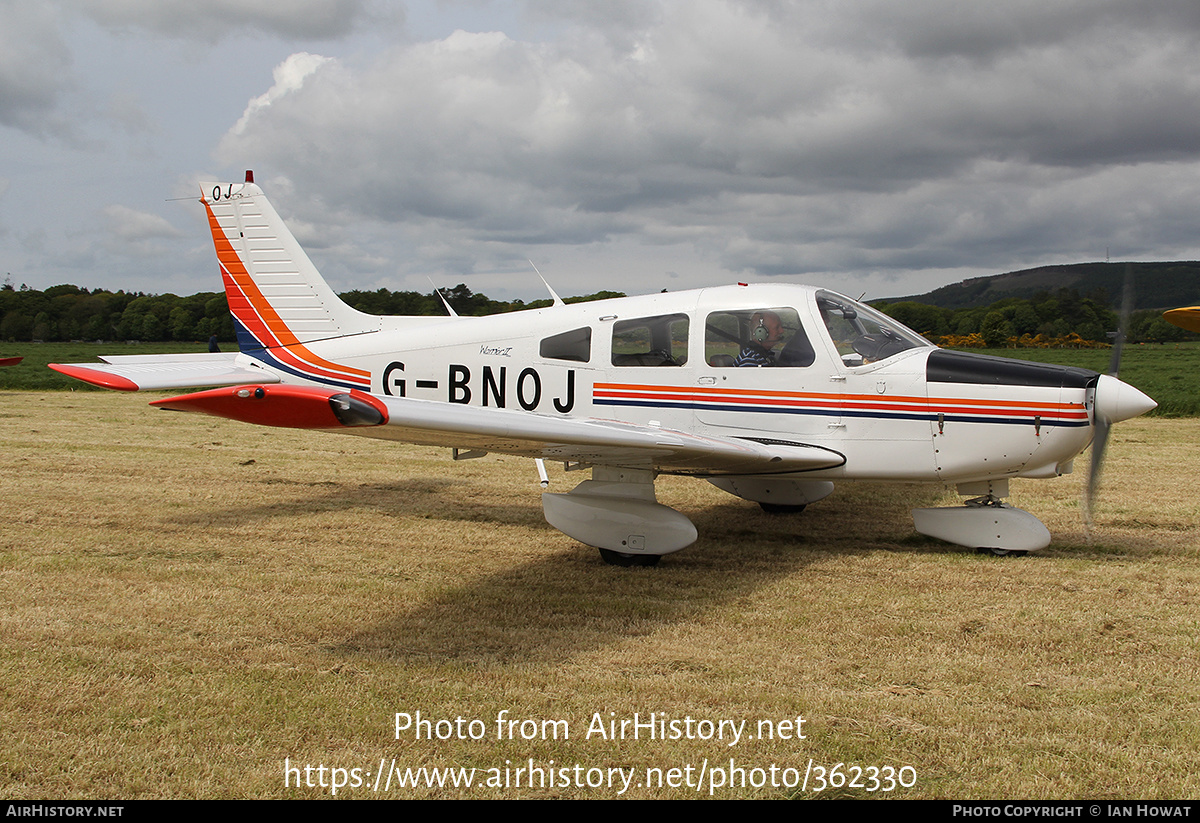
861, 334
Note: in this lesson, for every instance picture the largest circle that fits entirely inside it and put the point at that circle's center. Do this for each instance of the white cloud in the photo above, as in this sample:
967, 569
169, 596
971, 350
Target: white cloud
289, 76
136, 226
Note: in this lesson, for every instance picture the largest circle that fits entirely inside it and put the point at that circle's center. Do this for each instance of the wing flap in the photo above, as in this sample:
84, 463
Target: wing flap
151, 372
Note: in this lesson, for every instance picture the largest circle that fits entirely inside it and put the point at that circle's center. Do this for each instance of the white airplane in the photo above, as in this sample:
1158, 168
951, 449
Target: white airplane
770, 392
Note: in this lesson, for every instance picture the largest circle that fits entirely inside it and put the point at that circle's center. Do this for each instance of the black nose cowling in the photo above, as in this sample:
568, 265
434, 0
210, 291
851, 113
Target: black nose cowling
966, 367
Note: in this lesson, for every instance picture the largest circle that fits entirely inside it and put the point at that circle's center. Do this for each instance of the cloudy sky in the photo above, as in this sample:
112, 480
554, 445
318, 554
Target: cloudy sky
873, 146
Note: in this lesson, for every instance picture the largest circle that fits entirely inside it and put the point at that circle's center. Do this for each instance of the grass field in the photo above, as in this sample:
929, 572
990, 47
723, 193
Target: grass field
190, 602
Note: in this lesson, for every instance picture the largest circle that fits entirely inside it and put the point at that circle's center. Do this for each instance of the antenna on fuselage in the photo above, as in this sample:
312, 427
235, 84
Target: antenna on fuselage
445, 302
558, 301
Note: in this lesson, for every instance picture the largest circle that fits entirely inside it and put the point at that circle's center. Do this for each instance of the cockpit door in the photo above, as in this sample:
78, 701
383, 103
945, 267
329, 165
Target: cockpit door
757, 371
879, 389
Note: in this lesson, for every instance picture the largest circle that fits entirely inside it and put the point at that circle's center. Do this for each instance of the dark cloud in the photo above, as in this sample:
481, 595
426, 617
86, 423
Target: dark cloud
214, 19
35, 69
710, 138
784, 138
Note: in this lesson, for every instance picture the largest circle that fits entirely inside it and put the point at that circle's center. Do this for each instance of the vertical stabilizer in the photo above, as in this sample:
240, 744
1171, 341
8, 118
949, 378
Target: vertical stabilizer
279, 301
275, 293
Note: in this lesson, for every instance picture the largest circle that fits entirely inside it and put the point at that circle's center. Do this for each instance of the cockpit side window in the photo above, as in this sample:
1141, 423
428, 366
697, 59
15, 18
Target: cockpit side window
651, 341
768, 336
861, 334
573, 345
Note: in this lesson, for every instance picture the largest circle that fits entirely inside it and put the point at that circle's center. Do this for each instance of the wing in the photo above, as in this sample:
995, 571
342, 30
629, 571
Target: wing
1186, 318
507, 431
149, 372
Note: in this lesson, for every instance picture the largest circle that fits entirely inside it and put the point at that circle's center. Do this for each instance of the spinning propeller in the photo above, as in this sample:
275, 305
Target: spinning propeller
1113, 402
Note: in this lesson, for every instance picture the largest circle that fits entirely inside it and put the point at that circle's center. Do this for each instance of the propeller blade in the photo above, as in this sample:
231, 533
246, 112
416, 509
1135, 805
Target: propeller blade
1114, 365
1099, 445
1112, 409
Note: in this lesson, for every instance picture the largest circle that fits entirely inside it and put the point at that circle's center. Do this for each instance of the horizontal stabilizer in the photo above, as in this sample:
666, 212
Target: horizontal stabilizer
151, 372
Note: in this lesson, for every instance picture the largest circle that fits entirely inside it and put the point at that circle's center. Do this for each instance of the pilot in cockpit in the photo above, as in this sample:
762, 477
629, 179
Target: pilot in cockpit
766, 330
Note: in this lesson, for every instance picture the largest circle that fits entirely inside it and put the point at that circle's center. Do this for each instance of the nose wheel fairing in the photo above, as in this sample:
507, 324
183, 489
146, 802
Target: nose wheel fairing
984, 523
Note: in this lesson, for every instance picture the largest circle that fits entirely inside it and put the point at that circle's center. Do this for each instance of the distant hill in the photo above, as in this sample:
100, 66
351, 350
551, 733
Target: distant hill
1156, 285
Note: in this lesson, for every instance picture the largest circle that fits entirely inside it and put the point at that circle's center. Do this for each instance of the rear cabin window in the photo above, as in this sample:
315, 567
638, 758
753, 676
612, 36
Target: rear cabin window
574, 345
651, 341
770, 336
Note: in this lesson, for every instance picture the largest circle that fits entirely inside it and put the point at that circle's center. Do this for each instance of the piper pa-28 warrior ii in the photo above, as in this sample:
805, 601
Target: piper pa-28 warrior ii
770, 392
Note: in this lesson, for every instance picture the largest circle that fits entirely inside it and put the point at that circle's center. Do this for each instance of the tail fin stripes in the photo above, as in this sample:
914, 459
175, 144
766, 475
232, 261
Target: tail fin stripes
279, 301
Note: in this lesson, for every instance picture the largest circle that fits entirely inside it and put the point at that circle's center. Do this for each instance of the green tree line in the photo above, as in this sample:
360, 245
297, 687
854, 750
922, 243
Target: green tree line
71, 313
1055, 314
64, 313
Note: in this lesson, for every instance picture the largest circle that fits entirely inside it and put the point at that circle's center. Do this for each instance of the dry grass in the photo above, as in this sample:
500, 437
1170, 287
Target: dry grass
188, 602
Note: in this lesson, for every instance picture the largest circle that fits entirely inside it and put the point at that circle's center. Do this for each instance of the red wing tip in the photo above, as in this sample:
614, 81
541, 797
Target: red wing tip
10, 361
102, 379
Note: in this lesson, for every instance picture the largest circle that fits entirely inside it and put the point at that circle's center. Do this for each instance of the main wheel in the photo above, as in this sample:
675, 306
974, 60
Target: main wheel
782, 508
613, 558
1003, 552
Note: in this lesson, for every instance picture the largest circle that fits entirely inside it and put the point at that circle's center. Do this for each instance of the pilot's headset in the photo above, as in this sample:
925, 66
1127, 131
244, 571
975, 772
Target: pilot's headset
760, 333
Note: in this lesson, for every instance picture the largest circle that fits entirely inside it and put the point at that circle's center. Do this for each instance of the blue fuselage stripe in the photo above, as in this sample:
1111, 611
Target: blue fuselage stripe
839, 412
